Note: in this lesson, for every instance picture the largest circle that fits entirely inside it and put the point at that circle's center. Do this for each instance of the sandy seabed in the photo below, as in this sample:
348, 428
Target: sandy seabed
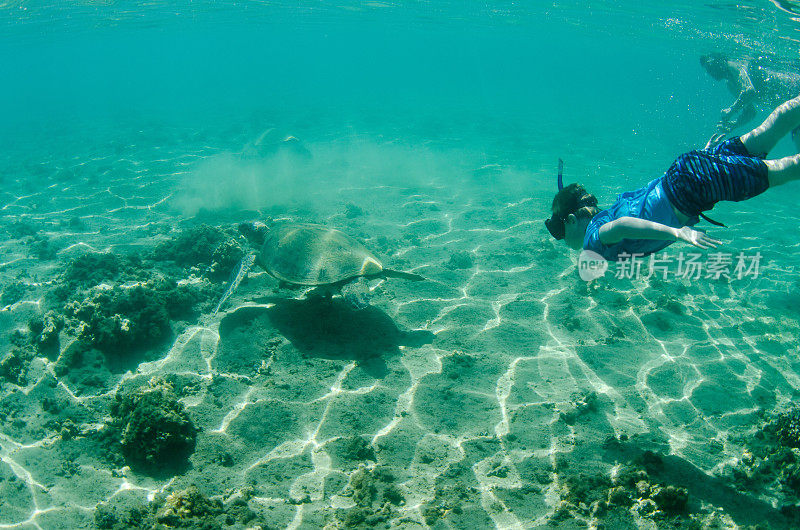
502, 392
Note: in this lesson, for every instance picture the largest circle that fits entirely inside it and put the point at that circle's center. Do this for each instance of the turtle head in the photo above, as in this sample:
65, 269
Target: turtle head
254, 231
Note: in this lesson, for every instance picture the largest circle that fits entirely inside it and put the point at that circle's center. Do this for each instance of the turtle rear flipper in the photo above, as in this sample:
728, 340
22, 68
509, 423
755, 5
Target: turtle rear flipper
390, 273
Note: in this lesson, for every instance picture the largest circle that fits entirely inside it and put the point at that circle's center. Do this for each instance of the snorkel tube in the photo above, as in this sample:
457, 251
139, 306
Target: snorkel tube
560, 174
555, 225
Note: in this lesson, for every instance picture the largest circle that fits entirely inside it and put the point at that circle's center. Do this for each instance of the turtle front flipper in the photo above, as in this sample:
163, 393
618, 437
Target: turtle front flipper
238, 275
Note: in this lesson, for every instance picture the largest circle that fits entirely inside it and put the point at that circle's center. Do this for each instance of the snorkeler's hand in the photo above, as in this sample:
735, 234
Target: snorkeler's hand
696, 237
726, 120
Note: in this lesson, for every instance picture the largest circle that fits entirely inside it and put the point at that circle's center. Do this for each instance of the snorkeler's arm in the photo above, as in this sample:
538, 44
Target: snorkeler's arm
746, 92
635, 228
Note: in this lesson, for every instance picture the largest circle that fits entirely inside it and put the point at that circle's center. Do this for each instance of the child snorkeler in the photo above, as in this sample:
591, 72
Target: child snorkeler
645, 221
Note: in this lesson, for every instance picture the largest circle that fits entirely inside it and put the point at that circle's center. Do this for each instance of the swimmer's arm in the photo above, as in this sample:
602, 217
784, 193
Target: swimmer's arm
635, 228
746, 92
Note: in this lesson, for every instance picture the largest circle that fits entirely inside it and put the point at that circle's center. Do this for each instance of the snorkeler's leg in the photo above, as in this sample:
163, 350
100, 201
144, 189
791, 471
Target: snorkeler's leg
777, 125
783, 170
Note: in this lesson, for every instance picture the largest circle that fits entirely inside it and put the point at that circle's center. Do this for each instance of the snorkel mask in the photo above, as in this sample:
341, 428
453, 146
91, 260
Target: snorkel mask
577, 198
555, 225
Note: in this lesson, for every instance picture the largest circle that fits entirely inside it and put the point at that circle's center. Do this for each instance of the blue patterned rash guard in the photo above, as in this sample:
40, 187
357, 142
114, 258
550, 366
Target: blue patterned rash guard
650, 203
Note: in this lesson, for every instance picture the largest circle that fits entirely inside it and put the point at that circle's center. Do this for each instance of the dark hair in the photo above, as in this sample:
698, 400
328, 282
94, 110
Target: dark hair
716, 64
572, 199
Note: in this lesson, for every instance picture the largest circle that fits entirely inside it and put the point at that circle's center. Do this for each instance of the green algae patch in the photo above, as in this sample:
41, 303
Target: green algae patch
376, 498
187, 506
155, 431
204, 247
93, 268
120, 305
184, 508
632, 491
770, 461
119, 320
14, 366
12, 293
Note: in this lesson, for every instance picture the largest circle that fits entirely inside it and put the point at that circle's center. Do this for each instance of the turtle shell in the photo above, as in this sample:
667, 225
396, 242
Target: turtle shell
306, 254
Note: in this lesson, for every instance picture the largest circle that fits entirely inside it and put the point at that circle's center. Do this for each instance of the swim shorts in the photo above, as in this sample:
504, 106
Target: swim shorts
699, 179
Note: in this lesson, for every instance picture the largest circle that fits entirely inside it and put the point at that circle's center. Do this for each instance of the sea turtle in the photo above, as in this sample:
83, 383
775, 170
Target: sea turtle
271, 142
309, 255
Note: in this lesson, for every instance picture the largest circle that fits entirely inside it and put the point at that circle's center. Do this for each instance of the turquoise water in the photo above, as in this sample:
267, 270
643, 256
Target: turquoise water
501, 392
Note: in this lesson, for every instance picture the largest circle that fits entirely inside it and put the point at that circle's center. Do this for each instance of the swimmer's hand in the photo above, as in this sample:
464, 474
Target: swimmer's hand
714, 140
726, 120
695, 237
